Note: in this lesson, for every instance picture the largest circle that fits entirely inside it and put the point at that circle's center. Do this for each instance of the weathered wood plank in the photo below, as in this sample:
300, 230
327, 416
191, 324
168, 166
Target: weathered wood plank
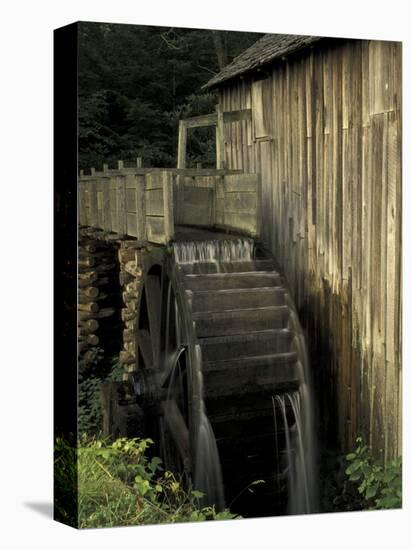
200, 121
198, 206
168, 205
236, 116
241, 183
154, 202
155, 227
182, 144
240, 202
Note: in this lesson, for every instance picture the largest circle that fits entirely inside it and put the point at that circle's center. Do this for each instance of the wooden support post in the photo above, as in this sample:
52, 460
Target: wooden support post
105, 167
121, 205
140, 210
81, 172
181, 148
92, 170
220, 142
120, 165
139, 163
168, 205
93, 216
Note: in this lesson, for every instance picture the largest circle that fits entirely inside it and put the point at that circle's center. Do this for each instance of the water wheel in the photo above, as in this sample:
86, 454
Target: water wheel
216, 340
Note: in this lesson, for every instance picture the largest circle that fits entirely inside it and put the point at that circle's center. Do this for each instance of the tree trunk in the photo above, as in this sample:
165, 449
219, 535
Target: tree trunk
220, 47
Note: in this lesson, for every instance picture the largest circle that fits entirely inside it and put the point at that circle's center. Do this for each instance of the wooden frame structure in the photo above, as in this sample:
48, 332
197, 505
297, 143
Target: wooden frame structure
218, 120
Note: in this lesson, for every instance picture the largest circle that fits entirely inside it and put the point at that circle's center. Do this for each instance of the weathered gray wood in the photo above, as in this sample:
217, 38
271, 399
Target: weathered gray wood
140, 208
155, 229
220, 138
168, 205
200, 121
81, 190
107, 221
240, 203
330, 211
114, 224
182, 144
241, 183
174, 171
154, 202
121, 205
236, 116
198, 206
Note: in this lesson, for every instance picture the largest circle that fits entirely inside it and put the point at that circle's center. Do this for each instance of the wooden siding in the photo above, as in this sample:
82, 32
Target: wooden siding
325, 136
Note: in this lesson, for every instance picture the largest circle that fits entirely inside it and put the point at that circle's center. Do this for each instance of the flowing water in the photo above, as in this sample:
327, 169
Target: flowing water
294, 409
217, 252
296, 412
208, 475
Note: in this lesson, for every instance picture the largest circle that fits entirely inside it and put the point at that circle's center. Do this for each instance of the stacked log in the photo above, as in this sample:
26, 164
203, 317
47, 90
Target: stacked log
130, 254
98, 297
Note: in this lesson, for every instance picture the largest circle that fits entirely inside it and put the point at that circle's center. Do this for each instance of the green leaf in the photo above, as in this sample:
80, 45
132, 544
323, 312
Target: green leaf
371, 491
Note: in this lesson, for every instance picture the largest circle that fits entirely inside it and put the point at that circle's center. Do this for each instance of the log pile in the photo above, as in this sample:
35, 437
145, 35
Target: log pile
130, 254
98, 297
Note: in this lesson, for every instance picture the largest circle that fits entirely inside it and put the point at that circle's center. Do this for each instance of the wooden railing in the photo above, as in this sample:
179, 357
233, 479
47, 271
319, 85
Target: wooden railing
148, 203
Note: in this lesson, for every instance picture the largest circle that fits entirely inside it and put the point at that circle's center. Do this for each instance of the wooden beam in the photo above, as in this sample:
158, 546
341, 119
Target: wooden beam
201, 121
235, 116
220, 140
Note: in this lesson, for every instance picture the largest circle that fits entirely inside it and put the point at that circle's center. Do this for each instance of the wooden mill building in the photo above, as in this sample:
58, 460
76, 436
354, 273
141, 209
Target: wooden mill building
320, 121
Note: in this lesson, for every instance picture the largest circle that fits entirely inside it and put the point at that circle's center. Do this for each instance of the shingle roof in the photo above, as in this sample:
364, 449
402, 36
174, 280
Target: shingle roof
268, 48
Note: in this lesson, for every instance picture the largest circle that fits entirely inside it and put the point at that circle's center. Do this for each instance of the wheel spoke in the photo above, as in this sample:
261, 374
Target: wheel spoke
145, 344
177, 428
153, 309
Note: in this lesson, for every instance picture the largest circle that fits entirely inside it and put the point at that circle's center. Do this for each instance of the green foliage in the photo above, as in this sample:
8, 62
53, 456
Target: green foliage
134, 80
89, 405
337, 492
119, 485
65, 482
379, 485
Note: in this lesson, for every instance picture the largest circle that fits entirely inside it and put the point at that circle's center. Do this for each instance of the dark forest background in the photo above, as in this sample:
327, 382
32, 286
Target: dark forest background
136, 82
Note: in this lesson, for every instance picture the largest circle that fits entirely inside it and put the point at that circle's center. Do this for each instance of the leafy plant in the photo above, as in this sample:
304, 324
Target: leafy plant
337, 492
380, 485
89, 405
119, 485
